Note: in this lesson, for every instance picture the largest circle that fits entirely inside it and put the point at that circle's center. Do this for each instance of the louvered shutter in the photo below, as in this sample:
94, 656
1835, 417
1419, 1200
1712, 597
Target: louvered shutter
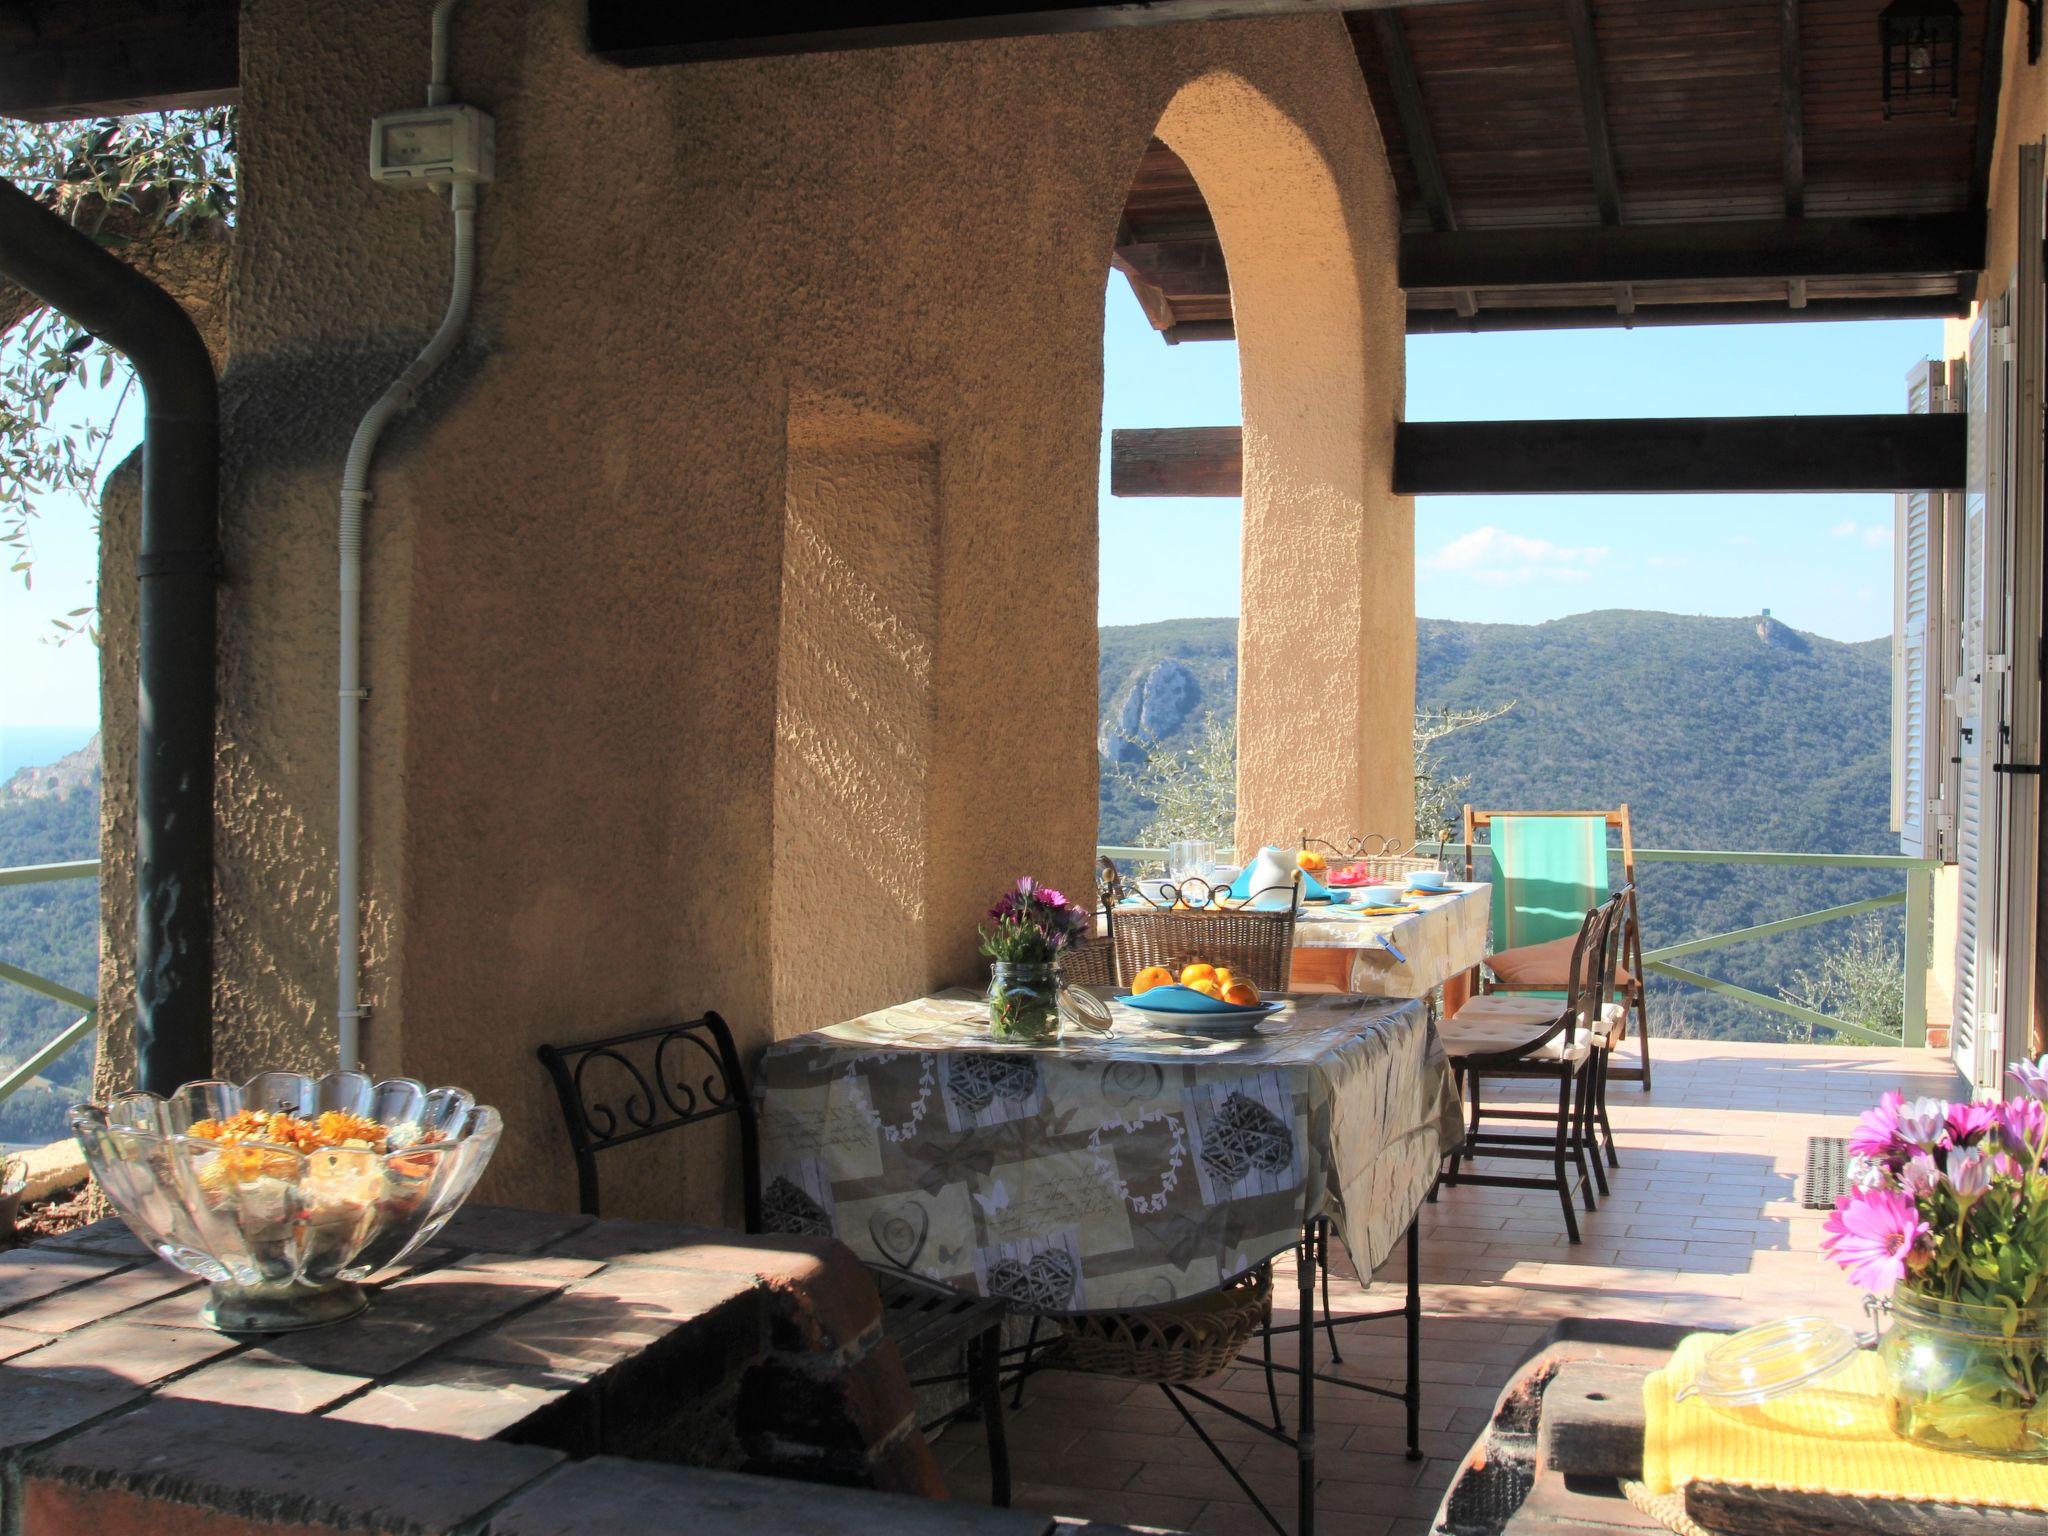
1916, 601
1977, 833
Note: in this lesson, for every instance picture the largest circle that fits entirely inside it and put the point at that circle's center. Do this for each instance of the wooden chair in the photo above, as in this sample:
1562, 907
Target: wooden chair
1531, 1038
1549, 866
624, 1088
1258, 946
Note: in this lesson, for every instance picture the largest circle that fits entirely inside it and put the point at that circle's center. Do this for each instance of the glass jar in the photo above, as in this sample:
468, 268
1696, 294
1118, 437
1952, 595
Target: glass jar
1968, 1378
1024, 1000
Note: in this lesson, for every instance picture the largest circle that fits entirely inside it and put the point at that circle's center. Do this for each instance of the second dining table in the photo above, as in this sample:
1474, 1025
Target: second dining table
1436, 941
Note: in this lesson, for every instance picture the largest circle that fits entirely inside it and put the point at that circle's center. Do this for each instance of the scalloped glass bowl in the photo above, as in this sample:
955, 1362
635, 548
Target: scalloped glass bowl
284, 1237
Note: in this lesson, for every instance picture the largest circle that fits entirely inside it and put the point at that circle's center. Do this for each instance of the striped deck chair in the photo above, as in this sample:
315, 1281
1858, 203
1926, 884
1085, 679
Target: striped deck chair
1549, 869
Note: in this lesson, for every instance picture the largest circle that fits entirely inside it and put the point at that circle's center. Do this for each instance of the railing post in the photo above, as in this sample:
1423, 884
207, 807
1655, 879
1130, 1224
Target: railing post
1919, 925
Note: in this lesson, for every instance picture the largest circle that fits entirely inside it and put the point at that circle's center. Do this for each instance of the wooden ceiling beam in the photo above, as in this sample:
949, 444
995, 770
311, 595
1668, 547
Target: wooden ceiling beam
1761, 455
1989, 85
638, 35
1602, 255
1792, 108
1578, 15
62, 59
1433, 322
1415, 130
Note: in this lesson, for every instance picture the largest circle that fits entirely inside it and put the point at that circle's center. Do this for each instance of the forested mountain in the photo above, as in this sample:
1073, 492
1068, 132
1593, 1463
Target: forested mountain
48, 815
1736, 734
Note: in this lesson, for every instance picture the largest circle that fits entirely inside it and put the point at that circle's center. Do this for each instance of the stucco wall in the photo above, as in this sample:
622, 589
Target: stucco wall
577, 550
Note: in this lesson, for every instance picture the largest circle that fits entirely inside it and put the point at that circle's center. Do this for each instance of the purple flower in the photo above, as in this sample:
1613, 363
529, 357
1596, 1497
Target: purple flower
1924, 1123
1919, 1176
1872, 1234
1052, 898
1966, 1122
1877, 1130
2025, 1124
2032, 1076
1971, 1174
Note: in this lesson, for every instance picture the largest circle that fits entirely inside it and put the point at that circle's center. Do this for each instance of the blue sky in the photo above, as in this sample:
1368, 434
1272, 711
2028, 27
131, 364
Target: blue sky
1819, 563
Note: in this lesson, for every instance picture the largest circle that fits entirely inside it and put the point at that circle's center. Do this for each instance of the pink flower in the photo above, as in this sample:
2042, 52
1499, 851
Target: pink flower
1052, 898
1872, 1234
1966, 1122
2024, 1123
1971, 1174
2031, 1076
1877, 1129
1924, 1123
1919, 1175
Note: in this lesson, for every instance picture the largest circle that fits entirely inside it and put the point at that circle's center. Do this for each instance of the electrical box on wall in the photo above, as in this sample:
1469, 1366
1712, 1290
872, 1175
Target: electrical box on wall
430, 146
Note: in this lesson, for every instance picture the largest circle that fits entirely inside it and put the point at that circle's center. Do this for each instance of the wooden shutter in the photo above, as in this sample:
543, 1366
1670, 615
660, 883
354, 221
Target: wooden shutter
1917, 776
1975, 1027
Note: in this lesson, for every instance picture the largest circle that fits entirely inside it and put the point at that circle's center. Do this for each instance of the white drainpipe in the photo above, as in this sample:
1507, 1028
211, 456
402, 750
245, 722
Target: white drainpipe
355, 495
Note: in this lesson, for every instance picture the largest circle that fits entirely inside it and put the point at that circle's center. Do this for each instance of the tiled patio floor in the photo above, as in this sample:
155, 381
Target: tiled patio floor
1703, 1227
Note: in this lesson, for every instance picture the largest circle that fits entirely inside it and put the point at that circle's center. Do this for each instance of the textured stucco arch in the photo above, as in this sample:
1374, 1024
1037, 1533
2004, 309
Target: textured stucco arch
1326, 644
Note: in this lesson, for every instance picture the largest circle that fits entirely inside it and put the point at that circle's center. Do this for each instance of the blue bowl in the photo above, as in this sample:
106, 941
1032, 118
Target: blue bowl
1428, 880
1179, 999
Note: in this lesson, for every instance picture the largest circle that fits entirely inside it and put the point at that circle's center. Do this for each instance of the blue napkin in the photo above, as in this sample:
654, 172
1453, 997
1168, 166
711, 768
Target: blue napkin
1312, 889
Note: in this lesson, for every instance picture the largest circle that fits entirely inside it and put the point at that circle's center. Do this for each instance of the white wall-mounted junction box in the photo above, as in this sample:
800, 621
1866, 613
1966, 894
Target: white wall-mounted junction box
432, 146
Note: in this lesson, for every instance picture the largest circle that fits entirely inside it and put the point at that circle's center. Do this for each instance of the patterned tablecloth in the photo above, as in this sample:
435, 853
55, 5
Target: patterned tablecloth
1103, 1173
1408, 954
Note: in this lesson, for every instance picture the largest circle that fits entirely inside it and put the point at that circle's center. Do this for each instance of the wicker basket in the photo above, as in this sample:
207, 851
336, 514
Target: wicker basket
1182, 1341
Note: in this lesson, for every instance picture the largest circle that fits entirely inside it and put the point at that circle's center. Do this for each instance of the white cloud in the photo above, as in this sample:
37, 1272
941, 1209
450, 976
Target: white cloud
1872, 535
1494, 557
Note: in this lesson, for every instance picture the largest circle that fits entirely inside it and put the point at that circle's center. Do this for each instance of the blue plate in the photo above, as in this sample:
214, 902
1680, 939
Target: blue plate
1186, 1000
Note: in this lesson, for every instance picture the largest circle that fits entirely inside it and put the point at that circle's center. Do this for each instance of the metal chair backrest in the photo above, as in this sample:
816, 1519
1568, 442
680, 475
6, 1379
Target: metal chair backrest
625, 1088
1593, 955
1258, 946
1372, 856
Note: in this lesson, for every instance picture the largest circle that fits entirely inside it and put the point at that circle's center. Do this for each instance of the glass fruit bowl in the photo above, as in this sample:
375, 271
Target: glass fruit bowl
285, 1235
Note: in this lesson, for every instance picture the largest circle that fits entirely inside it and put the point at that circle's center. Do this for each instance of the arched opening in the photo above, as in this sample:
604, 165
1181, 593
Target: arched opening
1235, 229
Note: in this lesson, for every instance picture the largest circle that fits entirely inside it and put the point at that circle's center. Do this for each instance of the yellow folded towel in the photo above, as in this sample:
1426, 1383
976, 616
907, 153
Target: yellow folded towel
1834, 1436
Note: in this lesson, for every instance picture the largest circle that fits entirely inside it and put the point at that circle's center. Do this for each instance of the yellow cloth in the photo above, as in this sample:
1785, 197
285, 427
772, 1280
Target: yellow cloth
1834, 1436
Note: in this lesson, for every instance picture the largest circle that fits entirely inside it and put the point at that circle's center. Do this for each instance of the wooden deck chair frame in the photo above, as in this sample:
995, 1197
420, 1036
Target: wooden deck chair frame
1632, 991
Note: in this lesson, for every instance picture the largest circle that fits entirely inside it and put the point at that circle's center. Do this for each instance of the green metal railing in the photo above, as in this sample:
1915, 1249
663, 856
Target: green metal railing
25, 1072
1917, 898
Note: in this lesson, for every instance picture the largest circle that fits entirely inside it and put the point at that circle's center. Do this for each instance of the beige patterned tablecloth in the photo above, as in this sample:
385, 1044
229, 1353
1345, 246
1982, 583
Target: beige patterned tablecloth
1407, 954
1103, 1174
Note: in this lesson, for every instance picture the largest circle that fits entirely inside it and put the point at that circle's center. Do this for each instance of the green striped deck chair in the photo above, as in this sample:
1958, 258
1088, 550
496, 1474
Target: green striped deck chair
1550, 868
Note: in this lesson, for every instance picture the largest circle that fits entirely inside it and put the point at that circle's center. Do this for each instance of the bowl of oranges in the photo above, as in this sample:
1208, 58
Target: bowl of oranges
1198, 988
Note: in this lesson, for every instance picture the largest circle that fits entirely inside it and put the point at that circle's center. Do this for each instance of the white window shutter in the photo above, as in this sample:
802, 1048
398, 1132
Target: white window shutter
1916, 588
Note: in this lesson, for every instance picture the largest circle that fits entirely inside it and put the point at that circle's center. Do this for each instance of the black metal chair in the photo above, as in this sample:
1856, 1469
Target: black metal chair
624, 1088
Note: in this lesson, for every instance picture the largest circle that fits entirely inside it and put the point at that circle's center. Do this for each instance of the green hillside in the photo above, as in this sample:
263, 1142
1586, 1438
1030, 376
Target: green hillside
1718, 733
48, 815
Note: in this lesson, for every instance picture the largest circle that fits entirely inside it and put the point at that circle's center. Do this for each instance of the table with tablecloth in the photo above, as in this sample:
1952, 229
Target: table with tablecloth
1400, 954
1103, 1173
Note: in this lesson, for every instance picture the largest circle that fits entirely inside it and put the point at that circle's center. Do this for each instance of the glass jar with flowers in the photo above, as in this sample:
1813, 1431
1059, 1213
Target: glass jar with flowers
1026, 933
1949, 1214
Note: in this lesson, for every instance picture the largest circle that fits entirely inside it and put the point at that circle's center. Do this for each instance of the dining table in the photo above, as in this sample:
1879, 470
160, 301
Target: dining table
1431, 941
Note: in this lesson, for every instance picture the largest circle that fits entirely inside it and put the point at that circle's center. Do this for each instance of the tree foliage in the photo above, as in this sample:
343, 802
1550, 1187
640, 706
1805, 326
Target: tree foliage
157, 190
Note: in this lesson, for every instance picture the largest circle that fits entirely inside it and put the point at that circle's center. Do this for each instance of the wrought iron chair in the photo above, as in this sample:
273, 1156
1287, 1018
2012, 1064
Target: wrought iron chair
1258, 946
1500, 1035
624, 1088
1092, 962
1374, 857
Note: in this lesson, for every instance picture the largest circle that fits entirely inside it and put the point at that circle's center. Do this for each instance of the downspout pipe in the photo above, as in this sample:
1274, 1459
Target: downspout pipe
177, 568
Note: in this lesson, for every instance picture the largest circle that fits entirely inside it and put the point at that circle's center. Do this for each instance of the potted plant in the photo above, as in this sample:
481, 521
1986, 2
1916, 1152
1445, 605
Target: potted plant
1949, 1214
1027, 931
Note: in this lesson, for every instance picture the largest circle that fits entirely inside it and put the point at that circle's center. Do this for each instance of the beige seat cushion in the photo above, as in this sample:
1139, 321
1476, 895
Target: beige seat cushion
1542, 965
1501, 1021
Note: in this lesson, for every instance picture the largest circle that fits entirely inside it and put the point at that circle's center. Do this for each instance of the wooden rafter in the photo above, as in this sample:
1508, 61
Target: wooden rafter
1578, 15
1428, 322
1792, 108
64, 59
1429, 170
1988, 87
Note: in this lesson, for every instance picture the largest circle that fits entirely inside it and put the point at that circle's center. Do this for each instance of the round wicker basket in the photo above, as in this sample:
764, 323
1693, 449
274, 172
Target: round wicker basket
1181, 1341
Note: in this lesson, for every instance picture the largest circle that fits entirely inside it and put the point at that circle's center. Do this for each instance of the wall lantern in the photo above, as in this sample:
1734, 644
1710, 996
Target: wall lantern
1922, 55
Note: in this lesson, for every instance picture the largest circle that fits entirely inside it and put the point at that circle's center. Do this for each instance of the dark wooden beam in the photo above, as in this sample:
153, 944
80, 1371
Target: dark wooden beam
64, 59
1418, 135
1578, 17
1600, 255
1703, 455
637, 34
1989, 84
1792, 107
1435, 322
1725, 454
1176, 461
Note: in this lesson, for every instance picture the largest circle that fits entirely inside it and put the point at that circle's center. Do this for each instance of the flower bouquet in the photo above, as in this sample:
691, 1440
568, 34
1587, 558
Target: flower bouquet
1949, 1213
1028, 929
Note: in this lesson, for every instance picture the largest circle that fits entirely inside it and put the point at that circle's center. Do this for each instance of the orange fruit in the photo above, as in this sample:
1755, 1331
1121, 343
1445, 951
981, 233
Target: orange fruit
1313, 863
1206, 986
1190, 974
1150, 977
1224, 977
1242, 994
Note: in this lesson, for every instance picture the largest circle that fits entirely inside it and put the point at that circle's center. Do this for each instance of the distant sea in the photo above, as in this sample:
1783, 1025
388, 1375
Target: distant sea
31, 746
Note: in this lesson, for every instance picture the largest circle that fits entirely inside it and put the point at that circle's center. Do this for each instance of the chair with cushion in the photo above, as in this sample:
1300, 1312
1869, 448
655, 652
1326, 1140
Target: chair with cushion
1528, 1038
1548, 867
624, 1088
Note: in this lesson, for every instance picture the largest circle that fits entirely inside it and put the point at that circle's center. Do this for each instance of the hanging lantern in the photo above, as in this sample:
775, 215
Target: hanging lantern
1923, 45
